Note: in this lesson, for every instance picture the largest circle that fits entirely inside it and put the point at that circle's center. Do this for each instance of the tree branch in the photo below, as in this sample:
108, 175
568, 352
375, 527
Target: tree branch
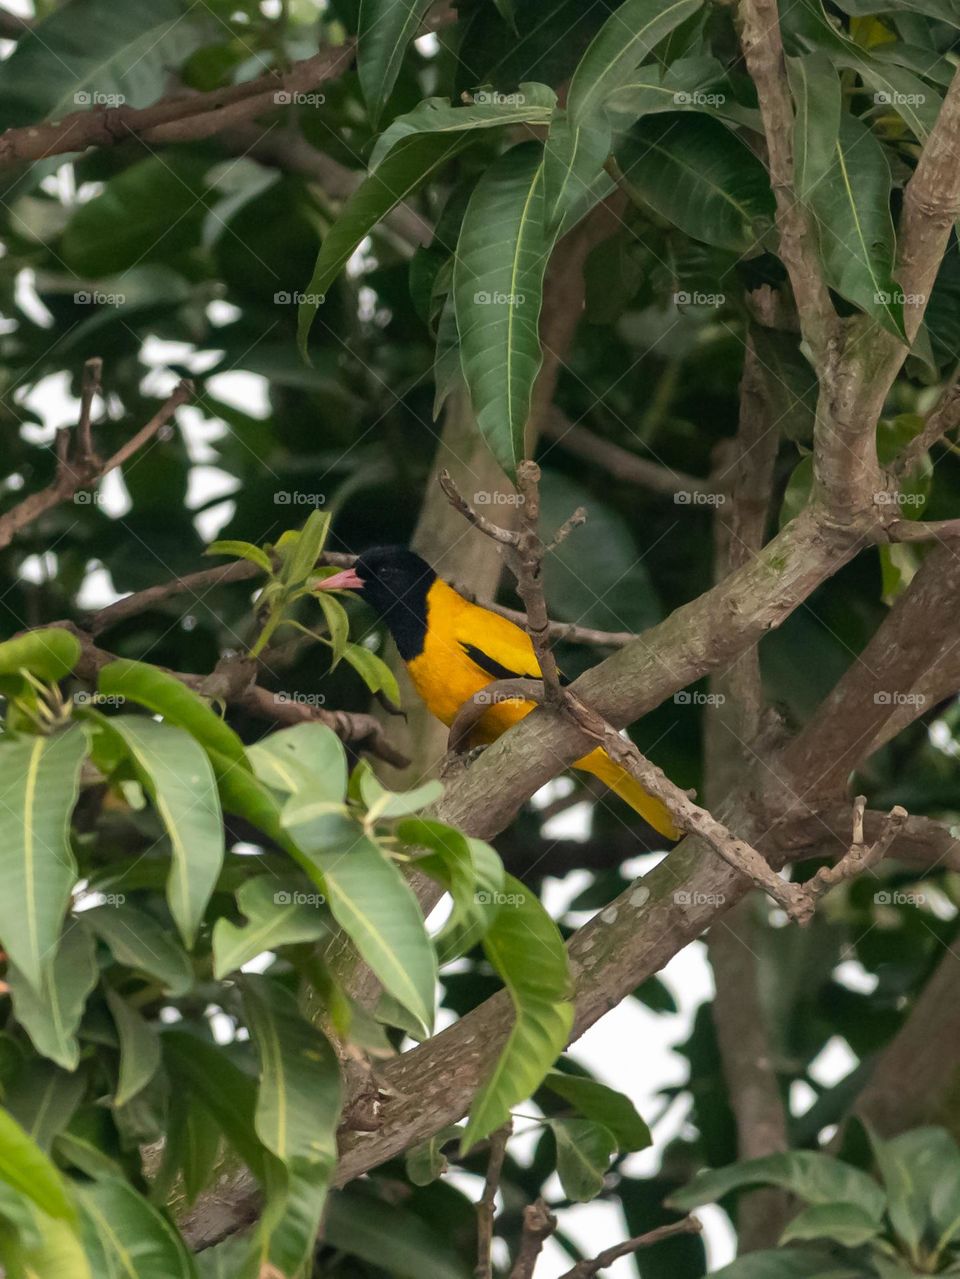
589, 1269
487, 1201
539, 1223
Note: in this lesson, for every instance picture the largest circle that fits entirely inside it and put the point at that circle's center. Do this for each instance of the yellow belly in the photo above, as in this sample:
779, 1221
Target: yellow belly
462, 682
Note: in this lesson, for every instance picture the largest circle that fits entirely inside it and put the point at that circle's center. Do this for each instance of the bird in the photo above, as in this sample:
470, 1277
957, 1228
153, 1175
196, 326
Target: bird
453, 648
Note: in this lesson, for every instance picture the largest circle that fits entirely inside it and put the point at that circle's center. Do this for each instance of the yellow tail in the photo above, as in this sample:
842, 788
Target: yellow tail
600, 764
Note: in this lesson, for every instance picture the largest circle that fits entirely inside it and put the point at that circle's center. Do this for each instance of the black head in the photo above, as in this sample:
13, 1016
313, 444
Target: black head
394, 581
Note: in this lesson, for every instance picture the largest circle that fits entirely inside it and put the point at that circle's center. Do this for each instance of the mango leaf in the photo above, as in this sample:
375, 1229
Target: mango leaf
137, 940
533, 104
373, 670
302, 550
790, 1263
55, 69
375, 906
49, 653
306, 757
653, 88
242, 551
896, 89
44, 1246
288, 1228
139, 1048
498, 290
274, 918
39, 780
25, 1168
846, 1224
179, 705
815, 1178
603, 1105
177, 775
391, 1238
584, 1151
43, 1100
408, 166
126, 1236
573, 159
921, 1172
816, 94
695, 173
383, 804
526, 949
299, 1098
385, 29
51, 1016
338, 624
426, 1162
851, 206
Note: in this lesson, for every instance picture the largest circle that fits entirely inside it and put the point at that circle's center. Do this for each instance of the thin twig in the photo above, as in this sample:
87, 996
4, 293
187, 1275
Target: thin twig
79, 468
587, 1269
487, 1201
859, 857
539, 1223
940, 421
918, 530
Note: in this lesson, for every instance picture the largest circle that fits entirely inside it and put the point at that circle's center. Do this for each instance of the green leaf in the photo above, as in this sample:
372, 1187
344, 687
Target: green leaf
383, 804
408, 166
139, 1048
921, 1171
790, 1263
533, 104
385, 29
376, 908
526, 949
243, 551
127, 1237
815, 1178
299, 1099
179, 705
584, 1151
896, 89
695, 173
137, 940
275, 917
25, 1168
816, 93
851, 206
573, 160
49, 653
338, 624
654, 88
177, 775
603, 1105
51, 1015
307, 757
44, 1099
498, 290
389, 1237
374, 671
56, 64
39, 781
300, 555
846, 1224
426, 1162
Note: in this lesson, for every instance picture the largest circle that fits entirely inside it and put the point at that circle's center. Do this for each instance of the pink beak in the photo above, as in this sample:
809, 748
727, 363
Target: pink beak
348, 580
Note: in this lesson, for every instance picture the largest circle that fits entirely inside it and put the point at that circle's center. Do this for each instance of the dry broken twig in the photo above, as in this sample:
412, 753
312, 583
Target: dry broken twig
587, 1269
487, 1201
539, 1223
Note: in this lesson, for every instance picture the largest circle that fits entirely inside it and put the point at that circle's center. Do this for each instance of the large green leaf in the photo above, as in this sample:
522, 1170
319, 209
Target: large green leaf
57, 68
376, 908
695, 173
44, 1246
305, 757
579, 139
139, 1048
498, 290
275, 917
25, 1168
51, 1015
137, 940
816, 94
532, 104
851, 205
408, 166
49, 653
945, 10
584, 1151
391, 1238
790, 1263
179, 705
44, 1099
178, 776
526, 949
385, 29
127, 1238
39, 780
603, 1105
921, 1171
815, 1178
846, 1224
